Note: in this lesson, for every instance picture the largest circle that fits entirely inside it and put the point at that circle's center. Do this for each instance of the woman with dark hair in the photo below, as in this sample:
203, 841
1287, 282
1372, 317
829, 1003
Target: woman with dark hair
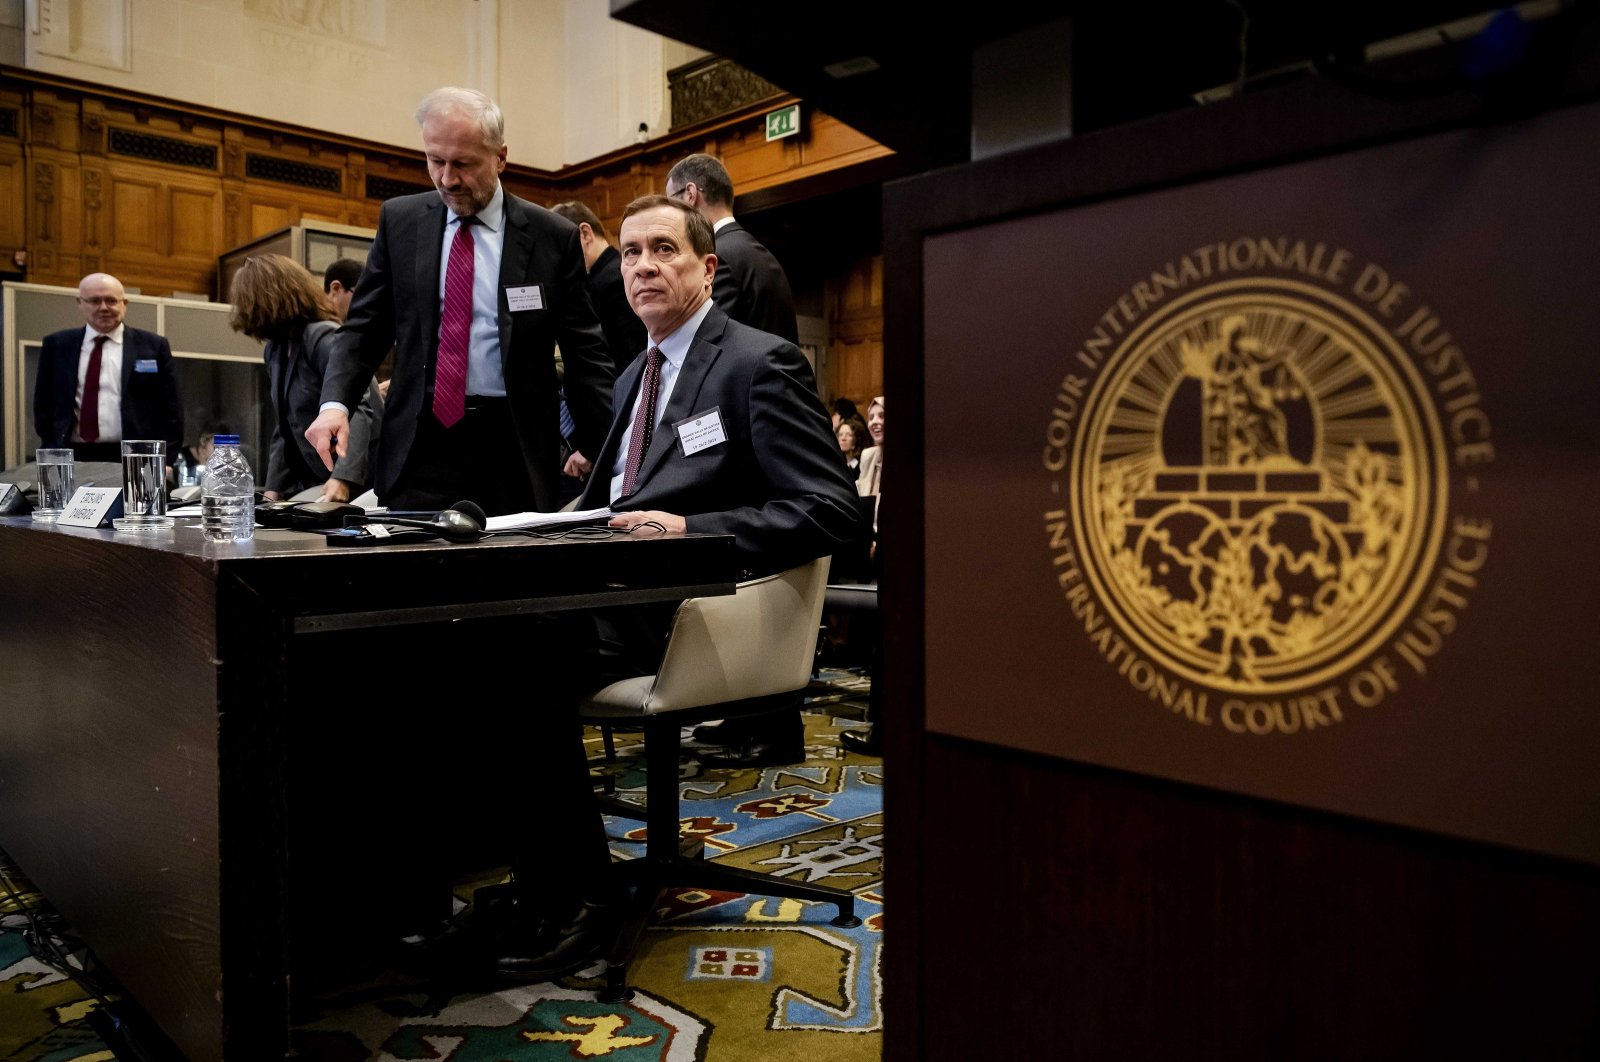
853, 437
843, 410
276, 301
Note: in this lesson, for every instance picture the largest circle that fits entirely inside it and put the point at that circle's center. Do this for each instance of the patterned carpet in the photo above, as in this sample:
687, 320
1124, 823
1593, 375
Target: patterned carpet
723, 976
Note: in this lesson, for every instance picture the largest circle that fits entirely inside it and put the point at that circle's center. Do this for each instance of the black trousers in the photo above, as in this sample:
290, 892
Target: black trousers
478, 459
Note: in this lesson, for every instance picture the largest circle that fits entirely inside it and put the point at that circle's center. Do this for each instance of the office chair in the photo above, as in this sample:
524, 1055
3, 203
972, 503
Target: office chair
726, 656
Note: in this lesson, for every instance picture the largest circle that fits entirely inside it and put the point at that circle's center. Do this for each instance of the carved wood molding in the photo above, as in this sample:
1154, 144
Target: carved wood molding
713, 86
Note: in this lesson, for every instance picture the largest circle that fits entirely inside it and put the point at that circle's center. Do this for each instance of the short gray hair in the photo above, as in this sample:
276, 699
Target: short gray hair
469, 103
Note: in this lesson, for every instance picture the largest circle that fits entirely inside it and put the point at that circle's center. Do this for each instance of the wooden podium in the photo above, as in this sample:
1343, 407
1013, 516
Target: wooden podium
1242, 668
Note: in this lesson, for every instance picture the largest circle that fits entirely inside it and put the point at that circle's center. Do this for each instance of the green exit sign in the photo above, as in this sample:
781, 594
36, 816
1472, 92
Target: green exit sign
784, 122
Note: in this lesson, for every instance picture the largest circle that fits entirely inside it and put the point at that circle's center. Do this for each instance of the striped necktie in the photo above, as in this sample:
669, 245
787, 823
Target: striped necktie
455, 327
644, 421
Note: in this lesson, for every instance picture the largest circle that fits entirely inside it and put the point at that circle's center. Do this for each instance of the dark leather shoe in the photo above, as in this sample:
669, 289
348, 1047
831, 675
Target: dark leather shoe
549, 949
866, 742
756, 752
727, 732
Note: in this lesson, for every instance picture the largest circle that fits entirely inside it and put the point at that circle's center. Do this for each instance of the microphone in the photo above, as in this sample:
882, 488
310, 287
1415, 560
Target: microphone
462, 522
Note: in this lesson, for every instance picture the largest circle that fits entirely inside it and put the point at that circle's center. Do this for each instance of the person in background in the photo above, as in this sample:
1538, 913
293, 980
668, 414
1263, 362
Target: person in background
106, 382
624, 332
751, 287
844, 409
872, 460
869, 742
852, 435
339, 283
276, 301
191, 459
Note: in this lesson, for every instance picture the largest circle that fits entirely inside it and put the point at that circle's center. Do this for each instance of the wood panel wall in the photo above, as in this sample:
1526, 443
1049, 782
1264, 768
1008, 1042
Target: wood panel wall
152, 190
855, 327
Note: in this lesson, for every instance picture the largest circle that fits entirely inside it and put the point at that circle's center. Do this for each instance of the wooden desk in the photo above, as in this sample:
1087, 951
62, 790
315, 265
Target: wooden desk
149, 684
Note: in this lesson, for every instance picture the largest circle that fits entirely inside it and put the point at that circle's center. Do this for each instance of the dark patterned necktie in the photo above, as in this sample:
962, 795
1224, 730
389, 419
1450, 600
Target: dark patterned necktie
455, 327
644, 421
89, 415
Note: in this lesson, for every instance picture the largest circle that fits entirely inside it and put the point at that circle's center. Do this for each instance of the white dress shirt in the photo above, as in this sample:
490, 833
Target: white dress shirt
485, 374
674, 349
109, 404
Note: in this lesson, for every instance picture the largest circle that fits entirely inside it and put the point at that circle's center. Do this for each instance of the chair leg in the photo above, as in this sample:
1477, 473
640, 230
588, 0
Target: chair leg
672, 861
610, 744
736, 879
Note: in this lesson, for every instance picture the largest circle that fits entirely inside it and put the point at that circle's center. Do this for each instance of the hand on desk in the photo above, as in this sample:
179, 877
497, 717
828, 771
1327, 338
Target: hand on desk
335, 490
666, 520
331, 429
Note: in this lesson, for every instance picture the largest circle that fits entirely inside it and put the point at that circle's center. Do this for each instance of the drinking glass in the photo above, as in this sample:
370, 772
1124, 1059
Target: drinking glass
55, 483
144, 486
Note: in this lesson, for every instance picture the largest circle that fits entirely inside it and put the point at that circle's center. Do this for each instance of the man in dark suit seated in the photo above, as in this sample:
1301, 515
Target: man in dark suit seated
106, 382
718, 429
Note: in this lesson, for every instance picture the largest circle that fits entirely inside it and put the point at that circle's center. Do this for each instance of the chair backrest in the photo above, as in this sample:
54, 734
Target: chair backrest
759, 642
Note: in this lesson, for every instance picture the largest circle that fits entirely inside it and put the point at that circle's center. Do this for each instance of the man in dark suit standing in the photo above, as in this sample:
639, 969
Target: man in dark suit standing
751, 286
473, 287
107, 382
736, 440
625, 333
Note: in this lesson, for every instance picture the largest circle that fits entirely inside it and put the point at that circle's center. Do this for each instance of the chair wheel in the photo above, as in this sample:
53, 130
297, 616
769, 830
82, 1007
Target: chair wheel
846, 921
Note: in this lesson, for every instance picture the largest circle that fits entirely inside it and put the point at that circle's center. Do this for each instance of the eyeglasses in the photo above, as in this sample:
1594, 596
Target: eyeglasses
103, 300
680, 193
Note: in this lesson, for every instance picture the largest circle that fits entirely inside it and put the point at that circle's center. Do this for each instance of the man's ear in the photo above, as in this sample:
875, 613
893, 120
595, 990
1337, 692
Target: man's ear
585, 233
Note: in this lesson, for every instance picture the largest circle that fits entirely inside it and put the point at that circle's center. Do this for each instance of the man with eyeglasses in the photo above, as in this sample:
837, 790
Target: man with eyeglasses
106, 382
751, 286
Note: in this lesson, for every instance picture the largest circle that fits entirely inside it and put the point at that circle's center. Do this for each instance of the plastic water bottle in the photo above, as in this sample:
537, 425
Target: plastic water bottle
227, 494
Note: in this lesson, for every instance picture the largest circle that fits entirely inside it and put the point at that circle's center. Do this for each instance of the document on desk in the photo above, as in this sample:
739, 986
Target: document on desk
536, 521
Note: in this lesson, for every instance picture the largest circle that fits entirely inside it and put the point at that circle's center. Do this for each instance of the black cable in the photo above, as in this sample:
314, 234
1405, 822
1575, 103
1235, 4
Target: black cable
46, 945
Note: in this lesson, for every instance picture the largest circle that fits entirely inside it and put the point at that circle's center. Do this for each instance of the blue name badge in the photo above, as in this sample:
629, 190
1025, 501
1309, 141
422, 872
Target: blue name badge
92, 507
145, 365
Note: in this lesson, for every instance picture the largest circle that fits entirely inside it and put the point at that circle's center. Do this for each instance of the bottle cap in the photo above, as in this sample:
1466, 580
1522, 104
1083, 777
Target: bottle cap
225, 440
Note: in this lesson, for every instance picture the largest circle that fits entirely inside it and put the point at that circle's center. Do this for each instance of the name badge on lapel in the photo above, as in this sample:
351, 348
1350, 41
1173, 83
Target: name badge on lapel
701, 432
145, 365
528, 297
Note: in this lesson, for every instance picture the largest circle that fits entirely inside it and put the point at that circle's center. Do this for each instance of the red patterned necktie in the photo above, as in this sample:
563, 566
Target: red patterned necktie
644, 421
455, 326
89, 415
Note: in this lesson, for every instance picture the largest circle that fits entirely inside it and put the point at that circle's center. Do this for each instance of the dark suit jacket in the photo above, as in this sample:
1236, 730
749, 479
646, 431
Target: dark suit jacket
397, 304
750, 285
150, 405
625, 333
296, 366
777, 484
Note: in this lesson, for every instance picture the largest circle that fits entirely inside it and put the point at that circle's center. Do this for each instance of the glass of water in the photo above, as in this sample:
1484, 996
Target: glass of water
144, 486
55, 483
